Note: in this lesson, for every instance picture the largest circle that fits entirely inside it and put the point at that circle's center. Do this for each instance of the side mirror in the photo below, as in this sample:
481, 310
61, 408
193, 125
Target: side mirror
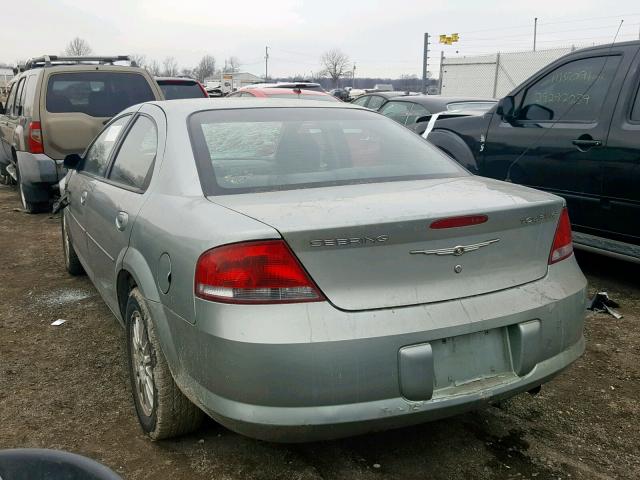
72, 161
506, 109
424, 118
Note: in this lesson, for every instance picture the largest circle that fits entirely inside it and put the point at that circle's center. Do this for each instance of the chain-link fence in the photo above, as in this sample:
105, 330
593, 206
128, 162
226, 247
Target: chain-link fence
493, 75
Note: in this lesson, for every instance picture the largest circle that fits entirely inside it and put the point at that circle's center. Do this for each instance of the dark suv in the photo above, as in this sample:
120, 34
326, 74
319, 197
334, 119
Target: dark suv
572, 129
55, 107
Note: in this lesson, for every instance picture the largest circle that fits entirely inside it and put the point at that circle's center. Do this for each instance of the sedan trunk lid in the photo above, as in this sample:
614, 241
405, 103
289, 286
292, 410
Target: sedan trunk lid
371, 246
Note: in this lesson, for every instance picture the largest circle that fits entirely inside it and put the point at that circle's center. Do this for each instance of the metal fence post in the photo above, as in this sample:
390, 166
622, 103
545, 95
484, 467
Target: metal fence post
441, 72
495, 78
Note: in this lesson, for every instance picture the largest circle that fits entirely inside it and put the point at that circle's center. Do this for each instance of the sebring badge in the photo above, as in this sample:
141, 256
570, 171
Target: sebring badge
457, 250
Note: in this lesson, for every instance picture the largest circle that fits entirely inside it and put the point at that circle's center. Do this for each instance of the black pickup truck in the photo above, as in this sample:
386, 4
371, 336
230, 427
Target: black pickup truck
572, 129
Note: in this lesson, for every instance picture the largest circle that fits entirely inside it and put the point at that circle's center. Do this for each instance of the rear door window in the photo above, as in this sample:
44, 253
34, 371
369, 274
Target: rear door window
97, 94
96, 161
11, 99
133, 163
362, 101
375, 102
416, 112
398, 111
573, 92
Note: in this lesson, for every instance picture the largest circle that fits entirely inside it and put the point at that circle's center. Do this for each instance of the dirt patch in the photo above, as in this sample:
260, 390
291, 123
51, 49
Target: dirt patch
66, 387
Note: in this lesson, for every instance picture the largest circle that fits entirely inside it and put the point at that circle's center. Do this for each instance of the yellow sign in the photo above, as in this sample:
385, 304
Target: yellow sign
449, 39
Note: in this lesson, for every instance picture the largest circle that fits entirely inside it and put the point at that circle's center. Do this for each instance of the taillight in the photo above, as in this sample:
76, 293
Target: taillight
35, 138
254, 272
562, 243
204, 90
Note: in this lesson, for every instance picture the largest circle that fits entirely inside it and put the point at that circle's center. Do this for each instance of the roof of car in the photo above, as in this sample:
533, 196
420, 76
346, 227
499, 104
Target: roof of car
285, 91
174, 79
440, 101
190, 105
391, 94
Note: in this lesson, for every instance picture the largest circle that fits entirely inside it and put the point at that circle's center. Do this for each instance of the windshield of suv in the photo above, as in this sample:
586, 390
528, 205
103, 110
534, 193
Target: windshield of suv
248, 150
98, 94
177, 89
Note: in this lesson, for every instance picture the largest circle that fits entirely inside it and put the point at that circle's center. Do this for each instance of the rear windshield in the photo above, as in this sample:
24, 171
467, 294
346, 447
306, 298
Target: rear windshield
98, 94
291, 96
175, 90
263, 149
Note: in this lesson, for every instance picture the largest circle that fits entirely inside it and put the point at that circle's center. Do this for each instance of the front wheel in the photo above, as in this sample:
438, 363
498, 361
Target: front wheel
163, 410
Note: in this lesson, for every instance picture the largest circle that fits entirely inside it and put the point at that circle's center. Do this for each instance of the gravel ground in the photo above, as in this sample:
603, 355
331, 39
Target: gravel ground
66, 387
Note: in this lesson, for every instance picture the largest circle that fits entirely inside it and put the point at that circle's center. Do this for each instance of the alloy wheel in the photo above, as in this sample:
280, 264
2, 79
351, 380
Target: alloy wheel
142, 364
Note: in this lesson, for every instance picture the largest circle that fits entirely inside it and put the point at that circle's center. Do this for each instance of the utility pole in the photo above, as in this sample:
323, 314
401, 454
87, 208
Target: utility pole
353, 77
535, 32
266, 63
425, 57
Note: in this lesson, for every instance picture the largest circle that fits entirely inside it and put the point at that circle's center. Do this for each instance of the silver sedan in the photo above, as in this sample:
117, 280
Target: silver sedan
304, 271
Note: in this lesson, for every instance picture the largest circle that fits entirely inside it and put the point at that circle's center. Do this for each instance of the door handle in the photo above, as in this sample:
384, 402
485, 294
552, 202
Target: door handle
83, 197
586, 143
122, 218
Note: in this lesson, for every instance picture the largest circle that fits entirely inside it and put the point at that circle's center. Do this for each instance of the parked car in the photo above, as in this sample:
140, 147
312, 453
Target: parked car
375, 101
41, 464
340, 94
301, 85
175, 88
319, 272
571, 129
269, 92
56, 106
415, 112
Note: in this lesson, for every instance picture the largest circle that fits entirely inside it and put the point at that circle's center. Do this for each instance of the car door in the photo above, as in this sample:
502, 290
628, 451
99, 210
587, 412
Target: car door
81, 183
115, 201
621, 166
557, 137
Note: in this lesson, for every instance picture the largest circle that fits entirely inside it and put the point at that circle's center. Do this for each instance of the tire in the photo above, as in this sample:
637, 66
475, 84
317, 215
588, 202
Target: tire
71, 260
163, 410
27, 205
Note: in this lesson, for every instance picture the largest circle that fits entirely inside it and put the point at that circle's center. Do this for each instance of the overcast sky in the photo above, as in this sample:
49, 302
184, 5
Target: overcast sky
382, 38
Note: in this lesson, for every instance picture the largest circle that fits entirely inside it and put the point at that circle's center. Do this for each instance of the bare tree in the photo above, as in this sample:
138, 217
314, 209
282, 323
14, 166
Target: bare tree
188, 72
232, 64
335, 64
139, 59
169, 67
153, 67
78, 47
206, 68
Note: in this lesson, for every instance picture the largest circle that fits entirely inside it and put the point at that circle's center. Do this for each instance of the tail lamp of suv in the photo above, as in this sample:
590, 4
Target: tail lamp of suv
255, 272
562, 243
34, 140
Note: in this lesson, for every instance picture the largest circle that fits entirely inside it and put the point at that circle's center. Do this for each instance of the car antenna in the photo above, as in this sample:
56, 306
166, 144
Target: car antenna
537, 141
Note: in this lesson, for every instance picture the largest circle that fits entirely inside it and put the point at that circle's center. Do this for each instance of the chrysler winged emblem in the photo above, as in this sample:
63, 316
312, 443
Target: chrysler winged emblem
457, 250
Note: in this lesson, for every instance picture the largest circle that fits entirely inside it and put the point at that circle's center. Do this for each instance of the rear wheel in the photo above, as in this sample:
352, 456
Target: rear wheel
71, 260
162, 409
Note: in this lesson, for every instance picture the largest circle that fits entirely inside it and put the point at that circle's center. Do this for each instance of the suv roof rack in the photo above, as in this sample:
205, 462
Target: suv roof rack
53, 60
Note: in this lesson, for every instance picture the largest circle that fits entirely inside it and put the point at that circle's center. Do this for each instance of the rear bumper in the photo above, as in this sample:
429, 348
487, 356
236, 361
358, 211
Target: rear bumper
309, 371
38, 169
